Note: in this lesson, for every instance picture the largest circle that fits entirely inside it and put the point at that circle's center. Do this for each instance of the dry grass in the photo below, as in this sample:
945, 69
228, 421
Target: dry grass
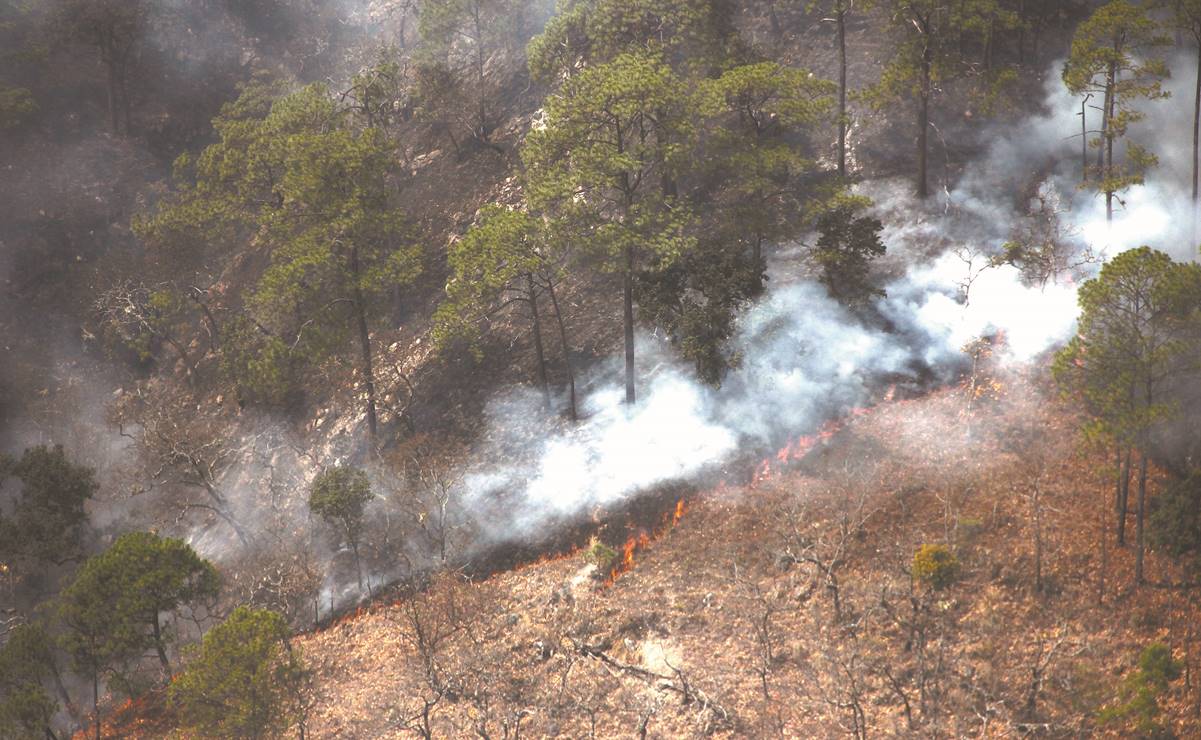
727, 623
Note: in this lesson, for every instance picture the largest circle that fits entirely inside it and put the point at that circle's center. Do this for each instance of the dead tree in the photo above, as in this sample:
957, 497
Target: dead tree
181, 446
760, 611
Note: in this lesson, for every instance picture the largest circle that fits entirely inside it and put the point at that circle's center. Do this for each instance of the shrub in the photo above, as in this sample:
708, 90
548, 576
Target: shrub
600, 554
968, 529
1138, 696
935, 565
1174, 525
243, 680
338, 495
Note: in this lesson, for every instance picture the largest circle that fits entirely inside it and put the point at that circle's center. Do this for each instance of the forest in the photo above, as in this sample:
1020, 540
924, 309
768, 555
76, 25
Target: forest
600, 368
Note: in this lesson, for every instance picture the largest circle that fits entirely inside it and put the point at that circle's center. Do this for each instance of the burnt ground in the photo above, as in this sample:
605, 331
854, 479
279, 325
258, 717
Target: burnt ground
727, 624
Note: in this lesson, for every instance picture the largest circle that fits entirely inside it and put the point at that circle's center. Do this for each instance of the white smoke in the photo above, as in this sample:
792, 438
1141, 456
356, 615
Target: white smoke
806, 359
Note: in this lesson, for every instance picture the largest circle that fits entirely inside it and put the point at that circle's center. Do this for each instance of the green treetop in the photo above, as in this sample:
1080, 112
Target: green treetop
758, 114
506, 259
243, 681
47, 521
1110, 58
689, 35
26, 663
338, 496
1129, 342
294, 175
929, 52
603, 168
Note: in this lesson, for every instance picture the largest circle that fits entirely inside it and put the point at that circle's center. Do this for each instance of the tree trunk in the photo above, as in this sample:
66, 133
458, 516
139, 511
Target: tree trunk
113, 108
214, 329
180, 350
482, 111
628, 316
1111, 101
1104, 120
1038, 542
841, 19
96, 701
358, 566
159, 647
1084, 139
537, 328
1022, 33
1196, 132
554, 302
1123, 495
1104, 562
368, 369
923, 123
122, 87
1138, 522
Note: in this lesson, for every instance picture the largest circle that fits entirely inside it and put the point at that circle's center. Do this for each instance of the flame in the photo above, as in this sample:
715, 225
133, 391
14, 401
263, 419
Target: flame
642, 540
801, 446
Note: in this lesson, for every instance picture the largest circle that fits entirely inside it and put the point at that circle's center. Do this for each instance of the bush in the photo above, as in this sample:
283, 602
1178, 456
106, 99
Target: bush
1174, 525
338, 495
1138, 696
600, 554
243, 681
935, 566
968, 529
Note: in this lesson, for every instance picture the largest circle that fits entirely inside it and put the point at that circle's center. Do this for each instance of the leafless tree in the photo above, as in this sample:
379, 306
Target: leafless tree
1040, 665
181, 446
760, 612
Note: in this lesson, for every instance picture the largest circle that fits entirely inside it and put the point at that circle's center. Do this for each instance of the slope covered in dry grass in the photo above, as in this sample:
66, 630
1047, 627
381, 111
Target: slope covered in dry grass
786, 607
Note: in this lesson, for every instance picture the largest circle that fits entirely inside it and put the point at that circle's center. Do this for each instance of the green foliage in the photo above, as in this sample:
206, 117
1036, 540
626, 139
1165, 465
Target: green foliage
696, 300
459, 37
1175, 522
846, 246
293, 174
17, 106
26, 662
260, 365
932, 35
139, 318
1134, 317
612, 133
601, 555
489, 267
243, 681
113, 607
1139, 694
935, 566
687, 34
46, 523
1110, 58
756, 115
338, 496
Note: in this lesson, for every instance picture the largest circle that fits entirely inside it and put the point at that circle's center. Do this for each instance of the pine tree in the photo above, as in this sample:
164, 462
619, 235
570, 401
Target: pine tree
929, 53
244, 680
506, 259
603, 169
1129, 342
1110, 58
296, 176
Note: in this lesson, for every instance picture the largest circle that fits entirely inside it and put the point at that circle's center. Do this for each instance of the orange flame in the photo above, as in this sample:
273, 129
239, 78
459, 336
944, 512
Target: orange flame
643, 540
801, 446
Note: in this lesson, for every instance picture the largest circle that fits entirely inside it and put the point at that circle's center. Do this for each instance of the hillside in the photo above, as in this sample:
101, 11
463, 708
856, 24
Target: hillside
666, 368
788, 605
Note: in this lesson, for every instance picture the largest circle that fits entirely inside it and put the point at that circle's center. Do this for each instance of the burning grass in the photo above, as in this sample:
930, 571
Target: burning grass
779, 606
